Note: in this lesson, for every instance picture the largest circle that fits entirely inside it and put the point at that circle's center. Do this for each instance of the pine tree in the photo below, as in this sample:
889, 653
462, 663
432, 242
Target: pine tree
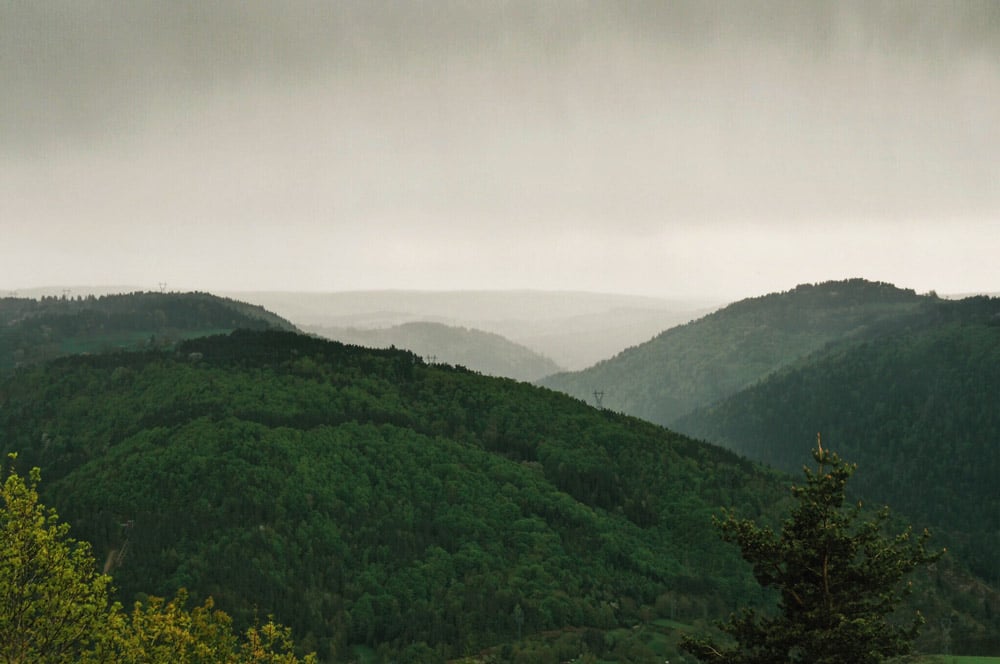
838, 575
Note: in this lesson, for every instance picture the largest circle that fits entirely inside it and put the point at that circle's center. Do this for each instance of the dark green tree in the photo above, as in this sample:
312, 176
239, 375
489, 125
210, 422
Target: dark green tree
838, 574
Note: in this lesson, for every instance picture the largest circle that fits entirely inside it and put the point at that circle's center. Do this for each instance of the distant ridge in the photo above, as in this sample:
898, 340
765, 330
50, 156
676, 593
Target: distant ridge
35, 330
480, 351
696, 364
574, 329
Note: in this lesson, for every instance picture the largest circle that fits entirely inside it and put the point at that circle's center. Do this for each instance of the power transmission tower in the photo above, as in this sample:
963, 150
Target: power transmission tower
163, 286
116, 556
599, 398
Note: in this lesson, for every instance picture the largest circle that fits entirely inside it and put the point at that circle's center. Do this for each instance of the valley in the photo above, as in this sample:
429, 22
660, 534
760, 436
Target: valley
573, 329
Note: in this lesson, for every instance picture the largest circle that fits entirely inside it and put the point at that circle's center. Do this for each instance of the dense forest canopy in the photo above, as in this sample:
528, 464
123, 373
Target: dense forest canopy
56, 607
918, 408
365, 497
370, 499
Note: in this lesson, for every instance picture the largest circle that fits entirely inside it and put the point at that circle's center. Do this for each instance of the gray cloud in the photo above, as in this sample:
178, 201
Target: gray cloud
71, 64
446, 125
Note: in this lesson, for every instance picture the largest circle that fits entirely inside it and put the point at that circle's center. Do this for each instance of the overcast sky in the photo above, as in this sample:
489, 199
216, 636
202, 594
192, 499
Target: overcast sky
659, 148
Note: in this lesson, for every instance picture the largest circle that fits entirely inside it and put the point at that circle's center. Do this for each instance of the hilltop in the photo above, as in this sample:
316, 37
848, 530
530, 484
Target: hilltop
701, 362
918, 407
35, 330
905, 385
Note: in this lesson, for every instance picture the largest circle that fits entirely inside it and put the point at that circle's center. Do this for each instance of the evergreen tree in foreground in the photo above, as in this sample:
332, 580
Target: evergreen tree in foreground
838, 575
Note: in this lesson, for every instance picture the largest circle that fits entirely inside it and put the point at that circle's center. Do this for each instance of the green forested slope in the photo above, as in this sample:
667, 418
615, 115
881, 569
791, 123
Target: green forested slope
485, 352
918, 410
36, 330
363, 497
697, 364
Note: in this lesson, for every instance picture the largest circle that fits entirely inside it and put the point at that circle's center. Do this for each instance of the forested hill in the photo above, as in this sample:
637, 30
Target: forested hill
366, 498
699, 363
485, 352
377, 503
919, 410
34, 330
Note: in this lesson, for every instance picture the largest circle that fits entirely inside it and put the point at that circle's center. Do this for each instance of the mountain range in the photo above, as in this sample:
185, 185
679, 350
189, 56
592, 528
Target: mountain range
389, 507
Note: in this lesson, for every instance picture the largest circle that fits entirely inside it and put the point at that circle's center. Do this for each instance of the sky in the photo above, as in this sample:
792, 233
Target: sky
674, 149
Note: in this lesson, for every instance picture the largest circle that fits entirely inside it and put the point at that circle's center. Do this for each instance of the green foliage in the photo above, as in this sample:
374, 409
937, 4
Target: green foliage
363, 496
839, 576
951, 659
270, 643
366, 497
54, 605
160, 631
165, 631
53, 602
917, 409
